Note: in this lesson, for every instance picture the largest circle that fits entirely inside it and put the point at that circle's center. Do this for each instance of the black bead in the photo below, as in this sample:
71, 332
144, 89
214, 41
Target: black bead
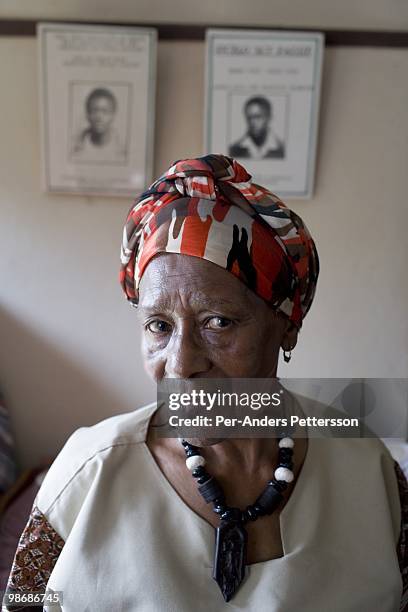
191, 452
252, 513
188, 446
232, 514
258, 509
286, 453
211, 490
286, 464
219, 508
270, 499
202, 479
280, 485
198, 471
245, 517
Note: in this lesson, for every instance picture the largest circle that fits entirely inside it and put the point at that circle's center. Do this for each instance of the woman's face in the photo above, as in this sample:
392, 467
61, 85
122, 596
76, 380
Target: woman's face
198, 320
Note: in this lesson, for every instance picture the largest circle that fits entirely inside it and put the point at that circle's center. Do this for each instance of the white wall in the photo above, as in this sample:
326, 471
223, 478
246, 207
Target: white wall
361, 14
69, 341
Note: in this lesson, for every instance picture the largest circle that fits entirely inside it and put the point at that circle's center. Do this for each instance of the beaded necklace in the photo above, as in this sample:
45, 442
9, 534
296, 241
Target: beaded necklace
231, 536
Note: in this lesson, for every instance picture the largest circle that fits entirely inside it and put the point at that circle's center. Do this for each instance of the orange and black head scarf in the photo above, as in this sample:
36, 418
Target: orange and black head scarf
208, 207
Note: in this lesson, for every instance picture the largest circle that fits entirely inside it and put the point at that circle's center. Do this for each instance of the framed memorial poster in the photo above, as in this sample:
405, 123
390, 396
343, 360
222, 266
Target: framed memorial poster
97, 95
262, 104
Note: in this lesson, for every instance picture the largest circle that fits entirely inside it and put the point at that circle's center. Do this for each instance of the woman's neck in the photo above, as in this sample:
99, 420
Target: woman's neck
247, 455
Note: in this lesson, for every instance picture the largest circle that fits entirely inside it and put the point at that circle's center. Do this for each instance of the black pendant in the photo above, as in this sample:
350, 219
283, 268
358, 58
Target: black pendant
230, 557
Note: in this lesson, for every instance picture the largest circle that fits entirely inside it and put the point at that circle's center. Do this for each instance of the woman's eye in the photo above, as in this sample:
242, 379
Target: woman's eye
158, 327
217, 323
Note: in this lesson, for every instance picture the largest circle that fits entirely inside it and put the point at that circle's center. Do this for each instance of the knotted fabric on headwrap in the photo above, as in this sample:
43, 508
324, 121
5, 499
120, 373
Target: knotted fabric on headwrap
208, 207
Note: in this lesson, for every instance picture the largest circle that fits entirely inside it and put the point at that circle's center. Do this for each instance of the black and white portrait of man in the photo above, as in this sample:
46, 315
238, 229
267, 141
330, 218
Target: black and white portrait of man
99, 139
260, 140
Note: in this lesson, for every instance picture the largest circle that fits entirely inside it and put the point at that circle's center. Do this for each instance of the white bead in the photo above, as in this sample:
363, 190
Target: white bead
194, 462
282, 473
286, 443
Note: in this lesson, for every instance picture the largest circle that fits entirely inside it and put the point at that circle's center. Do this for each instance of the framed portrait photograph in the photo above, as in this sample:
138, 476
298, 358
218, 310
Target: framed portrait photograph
262, 104
97, 99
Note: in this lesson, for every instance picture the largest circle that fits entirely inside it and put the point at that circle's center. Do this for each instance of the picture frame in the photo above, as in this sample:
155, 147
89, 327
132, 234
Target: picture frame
262, 104
97, 100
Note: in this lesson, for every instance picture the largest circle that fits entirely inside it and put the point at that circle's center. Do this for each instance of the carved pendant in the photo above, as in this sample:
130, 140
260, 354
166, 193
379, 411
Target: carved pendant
230, 557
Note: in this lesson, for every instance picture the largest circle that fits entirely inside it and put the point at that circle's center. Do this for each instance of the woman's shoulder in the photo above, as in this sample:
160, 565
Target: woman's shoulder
81, 458
126, 428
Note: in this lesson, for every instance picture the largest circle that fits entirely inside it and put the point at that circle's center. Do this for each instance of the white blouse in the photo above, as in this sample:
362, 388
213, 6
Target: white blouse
130, 543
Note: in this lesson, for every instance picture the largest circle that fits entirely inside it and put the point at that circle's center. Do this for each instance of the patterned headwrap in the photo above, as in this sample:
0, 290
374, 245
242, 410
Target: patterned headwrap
208, 207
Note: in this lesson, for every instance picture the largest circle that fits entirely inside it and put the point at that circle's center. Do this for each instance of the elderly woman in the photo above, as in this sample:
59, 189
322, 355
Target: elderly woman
223, 274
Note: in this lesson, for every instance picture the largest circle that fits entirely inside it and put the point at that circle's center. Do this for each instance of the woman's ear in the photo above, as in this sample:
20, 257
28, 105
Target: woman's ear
290, 337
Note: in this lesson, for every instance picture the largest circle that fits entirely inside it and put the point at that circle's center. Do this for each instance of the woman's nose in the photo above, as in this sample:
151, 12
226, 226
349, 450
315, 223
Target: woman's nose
186, 355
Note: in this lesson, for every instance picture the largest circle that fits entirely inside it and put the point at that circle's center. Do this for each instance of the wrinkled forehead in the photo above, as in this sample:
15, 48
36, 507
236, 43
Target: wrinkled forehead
174, 277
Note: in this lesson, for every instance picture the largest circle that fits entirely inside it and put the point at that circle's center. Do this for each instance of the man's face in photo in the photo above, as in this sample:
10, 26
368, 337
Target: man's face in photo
100, 114
258, 119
